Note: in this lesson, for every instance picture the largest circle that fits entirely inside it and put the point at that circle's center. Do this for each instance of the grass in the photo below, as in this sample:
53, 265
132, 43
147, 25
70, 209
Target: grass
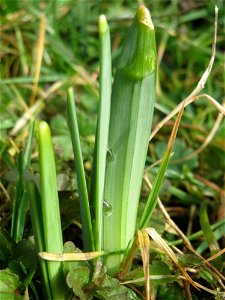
70, 47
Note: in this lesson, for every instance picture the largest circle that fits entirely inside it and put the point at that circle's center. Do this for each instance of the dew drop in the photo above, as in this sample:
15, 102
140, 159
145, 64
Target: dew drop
107, 208
110, 156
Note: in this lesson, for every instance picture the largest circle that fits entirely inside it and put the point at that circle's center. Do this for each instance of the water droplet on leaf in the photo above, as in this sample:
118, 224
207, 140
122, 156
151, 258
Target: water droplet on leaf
110, 156
107, 208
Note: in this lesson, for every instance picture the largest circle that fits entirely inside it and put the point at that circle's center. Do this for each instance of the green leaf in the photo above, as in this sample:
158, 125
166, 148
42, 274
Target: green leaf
50, 209
206, 275
101, 144
17, 198
38, 230
9, 286
5, 247
22, 214
189, 260
112, 289
152, 199
132, 105
77, 279
27, 155
79, 167
25, 252
157, 268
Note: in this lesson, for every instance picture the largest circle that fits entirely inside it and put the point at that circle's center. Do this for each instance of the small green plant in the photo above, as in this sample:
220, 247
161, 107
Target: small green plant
122, 135
123, 130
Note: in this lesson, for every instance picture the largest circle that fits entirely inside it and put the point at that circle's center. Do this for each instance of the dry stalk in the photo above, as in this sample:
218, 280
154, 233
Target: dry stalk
41, 42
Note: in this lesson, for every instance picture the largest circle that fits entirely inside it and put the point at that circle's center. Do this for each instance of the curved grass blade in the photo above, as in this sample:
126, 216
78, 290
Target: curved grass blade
101, 144
87, 233
50, 210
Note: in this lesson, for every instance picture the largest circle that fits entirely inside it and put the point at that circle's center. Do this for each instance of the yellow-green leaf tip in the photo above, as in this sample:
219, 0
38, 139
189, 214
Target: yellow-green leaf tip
43, 126
103, 25
143, 16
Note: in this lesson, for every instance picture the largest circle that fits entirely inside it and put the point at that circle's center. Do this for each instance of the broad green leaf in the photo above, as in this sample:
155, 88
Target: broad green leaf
77, 279
132, 105
9, 286
50, 209
112, 289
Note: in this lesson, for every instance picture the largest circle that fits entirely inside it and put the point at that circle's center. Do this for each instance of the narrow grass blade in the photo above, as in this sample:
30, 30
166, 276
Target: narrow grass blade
50, 209
217, 226
132, 105
22, 52
87, 232
209, 234
21, 215
152, 199
38, 230
36, 216
101, 144
17, 197
21, 199
218, 234
28, 152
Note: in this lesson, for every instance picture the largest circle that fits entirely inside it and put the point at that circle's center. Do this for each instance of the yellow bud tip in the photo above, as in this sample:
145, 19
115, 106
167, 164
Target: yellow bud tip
43, 126
103, 26
143, 16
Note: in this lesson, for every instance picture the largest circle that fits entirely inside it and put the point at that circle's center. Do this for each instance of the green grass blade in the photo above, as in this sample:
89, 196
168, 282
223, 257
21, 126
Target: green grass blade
17, 197
28, 152
132, 105
220, 226
218, 234
152, 199
207, 231
50, 209
87, 232
38, 230
101, 144
20, 201
21, 214
22, 51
